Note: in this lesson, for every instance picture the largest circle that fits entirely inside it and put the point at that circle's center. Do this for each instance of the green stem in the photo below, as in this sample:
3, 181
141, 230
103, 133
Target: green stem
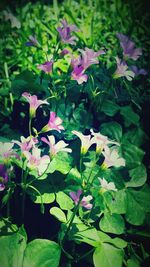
37, 191
30, 121
85, 255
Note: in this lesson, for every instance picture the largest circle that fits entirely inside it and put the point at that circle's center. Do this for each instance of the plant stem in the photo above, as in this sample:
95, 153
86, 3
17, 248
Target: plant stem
30, 121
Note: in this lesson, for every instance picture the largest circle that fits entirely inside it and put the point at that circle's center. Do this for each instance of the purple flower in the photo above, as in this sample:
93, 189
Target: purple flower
65, 33
89, 57
85, 200
78, 75
32, 41
128, 47
3, 177
123, 71
46, 67
64, 52
138, 71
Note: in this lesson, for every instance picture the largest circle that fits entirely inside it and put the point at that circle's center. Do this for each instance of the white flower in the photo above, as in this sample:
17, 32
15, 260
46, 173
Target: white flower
86, 141
107, 186
56, 147
112, 158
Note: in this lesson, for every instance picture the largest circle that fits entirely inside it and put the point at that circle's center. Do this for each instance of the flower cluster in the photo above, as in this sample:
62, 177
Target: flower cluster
129, 52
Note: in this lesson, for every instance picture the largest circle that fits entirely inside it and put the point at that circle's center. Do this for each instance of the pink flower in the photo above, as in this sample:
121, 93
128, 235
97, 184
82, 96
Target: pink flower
128, 47
64, 52
35, 161
56, 147
54, 123
26, 143
89, 57
46, 66
85, 200
78, 75
65, 33
123, 71
6, 151
34, 103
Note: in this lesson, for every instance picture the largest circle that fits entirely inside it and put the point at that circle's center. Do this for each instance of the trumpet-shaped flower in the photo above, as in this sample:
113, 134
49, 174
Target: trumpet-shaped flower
54, 123
107, 186
15, 23
32, 41
86, 141
122, 70
3, 177
65, 32
84, 201
34, 103
90, 57
128, 46
35, 161
56, 147
138, 71
46, 66
78, 75
112, 158
6, 151
26, 143
101, 141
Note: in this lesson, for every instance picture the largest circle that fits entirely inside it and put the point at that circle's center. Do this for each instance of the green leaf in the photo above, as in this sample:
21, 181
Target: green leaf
112, 223
62, 163
87, 235
138, 203
42, 252
118, 203
118, 242
110, 108
59, 214
113, 130
132, 154
130, 117
64, 201
107, 256
12, 250
133, 263
138, 176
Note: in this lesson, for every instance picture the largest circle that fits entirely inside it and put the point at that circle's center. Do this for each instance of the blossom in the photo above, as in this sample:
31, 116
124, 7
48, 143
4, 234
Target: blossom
65, 32
26, 143
64, 52
3, 177
35, 161
89, 57
138, 71
6, 150
122, 70
46, 66
56, 147
32, 41
128, 47
54, 123
107, 186
112, 158
15, 23
86, 141
101, 141
78, 75
34, 103
84, 201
